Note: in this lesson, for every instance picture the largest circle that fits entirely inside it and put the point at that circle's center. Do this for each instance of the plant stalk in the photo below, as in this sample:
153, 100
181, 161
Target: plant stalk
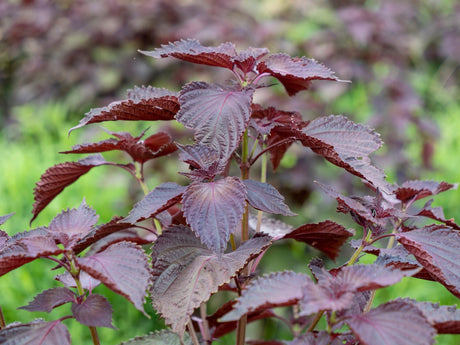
2, 319
192, 333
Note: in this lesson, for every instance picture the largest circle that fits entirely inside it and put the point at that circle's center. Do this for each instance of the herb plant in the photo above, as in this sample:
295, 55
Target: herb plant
210, 235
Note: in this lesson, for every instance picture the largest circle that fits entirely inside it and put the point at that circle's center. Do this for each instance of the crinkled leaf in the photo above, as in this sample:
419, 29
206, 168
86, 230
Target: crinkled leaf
161, 198
71, 225
436, 213
445, 318
437, 248
4, 238
219, 116
56, 178
164, 337
143, 104
50, 299
123, 268
94, 311
191, 50
393, 323
4, 218
86, 281
247, 59
326, 236
205, 162
214, 210
414, 190
336, 292
99, 232
186, 273
35, 333
347, 145
310, 338
24, 250
273, 290
295, 74
265, 197
156, 145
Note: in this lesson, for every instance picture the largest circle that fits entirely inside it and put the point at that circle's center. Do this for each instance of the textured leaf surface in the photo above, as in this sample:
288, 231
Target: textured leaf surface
95, 311
36, 333
123, 268
393, 323
218, 116
347, 145
4, 218
71, 225
445, 318
310, 338
191, 50
415, 190
326, 236
204, 162
143, 104
265, 197
247, 59
295, 74
273, 290
87, 282
164, 337
186, 273
56, 178
161, 198
50, 299
437, 248
214, 210
336, 292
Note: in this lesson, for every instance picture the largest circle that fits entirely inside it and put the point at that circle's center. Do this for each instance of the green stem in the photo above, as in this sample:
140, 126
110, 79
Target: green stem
263, 179
360, 249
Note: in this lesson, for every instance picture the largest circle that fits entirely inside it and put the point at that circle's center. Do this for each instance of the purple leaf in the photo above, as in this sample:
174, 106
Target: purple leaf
4, 218
247, 59
326, 236
436, 213
345, 144
35, 333
143, 104
123, 268
164, 337
191, 50
276, 229
156, 145
158, 200
437, 248
214, 210
415, 190
336, 292
218, 116
186, 273
320, 338
72, 225
56, 178
269, 291
295, 74
445, 318
265, 197
393, 323
87, 282
95, 311
24, 250
4, 238
205, 162
50, 299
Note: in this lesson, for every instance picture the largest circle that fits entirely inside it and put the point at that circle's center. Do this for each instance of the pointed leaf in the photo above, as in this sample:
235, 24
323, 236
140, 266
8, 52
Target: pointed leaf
143, 104
247, 59
35, 333
269, 291
50, 299
218, 116
186, 273
191, 50
86, 281
214, 210
295, 74
123, 268
56, 178
4, 218
95, 311
72, 225
276, 229
205, 162
415, 190
164, 337
310, 338
326, 236
265, 197
436, 213
158, 200
445, 318
437, 248
393, 323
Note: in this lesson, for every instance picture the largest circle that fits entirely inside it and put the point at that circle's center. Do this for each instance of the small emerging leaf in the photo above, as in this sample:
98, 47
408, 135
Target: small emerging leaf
35, 333
50, 299
87, 282
95, 311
